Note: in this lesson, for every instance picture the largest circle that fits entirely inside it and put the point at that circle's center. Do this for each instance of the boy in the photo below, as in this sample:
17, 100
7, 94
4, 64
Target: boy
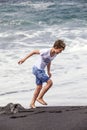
45, 58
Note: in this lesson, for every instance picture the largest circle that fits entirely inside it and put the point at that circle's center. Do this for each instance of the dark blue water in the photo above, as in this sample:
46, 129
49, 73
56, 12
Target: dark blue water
54, 12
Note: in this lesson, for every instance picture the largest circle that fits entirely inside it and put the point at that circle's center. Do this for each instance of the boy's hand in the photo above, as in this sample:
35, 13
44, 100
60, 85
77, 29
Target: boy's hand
21, 61
49, 74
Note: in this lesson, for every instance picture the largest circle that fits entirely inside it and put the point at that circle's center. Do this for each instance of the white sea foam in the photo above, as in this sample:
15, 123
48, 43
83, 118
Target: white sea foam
72, 4
75, 39
37, 5
69, 73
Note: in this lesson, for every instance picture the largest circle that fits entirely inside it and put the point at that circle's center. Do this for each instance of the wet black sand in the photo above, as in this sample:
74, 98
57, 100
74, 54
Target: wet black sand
43, 118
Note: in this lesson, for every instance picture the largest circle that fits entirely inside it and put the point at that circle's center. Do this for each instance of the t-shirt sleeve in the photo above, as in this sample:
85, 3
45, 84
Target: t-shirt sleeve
43, 52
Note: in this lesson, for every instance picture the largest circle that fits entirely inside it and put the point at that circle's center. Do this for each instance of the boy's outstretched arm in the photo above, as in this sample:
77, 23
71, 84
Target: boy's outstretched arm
29, 55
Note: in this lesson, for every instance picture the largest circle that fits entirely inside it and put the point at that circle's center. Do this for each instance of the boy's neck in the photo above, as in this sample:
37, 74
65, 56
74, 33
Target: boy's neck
52, 52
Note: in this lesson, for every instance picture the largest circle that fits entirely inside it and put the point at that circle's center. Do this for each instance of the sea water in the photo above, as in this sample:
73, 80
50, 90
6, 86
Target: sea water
26, 25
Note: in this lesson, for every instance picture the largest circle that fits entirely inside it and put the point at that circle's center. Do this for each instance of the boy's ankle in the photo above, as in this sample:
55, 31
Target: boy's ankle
32, 105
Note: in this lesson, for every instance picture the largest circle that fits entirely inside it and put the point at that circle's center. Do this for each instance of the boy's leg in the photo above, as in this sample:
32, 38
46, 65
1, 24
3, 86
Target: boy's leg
36, 93
43, 91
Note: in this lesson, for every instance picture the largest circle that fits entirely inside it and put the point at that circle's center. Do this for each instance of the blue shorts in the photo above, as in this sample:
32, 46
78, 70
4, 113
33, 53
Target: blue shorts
41, 76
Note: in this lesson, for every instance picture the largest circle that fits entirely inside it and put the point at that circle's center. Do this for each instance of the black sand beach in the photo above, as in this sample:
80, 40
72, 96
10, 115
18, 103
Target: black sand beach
15, 117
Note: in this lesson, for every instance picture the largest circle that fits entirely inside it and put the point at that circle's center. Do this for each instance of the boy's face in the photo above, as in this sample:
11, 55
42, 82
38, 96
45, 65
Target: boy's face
58, 50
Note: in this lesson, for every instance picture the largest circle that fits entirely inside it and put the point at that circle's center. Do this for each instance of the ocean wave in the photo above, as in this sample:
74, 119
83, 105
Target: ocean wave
37, 5
72, 36
78, 46
68, 3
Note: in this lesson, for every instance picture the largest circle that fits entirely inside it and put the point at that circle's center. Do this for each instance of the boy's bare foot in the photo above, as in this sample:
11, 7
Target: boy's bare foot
32, 106
40, 100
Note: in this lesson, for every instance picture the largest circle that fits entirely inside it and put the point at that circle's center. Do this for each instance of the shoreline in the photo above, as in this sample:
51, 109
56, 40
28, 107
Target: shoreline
43, 118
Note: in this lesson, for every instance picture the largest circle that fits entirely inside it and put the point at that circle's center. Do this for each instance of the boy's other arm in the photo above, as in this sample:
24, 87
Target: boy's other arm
48, 69
29, 55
